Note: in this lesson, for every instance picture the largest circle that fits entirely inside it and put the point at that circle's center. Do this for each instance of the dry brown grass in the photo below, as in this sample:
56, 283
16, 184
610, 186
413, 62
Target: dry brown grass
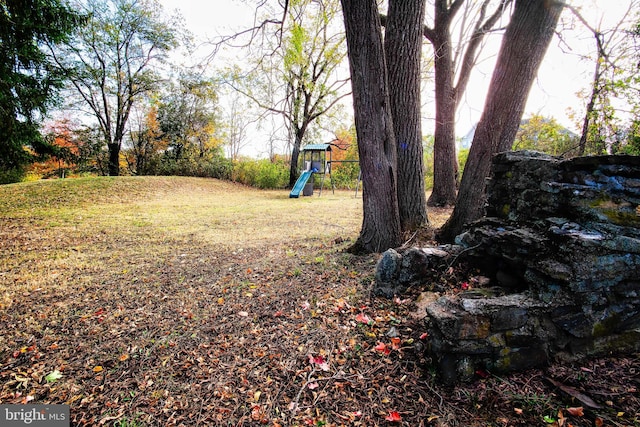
184, 301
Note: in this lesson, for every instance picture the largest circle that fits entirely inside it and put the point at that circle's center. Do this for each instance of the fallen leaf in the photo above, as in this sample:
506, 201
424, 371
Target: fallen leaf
319, 360
382, 348
396, 343
313, 386
53, 376
518, 411
124, 357
577, 411
424, 336
394, 417
598, 422
584, 399
363, 318
97, 369
243, 314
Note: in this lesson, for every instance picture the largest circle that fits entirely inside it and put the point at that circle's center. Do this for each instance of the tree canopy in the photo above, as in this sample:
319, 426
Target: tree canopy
28, 79
113, 61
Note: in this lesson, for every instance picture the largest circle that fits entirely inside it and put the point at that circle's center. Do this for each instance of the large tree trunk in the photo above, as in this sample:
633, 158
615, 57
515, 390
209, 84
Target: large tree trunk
295, 155
403, 47
374, 127
445, 163
114, 159
523, 47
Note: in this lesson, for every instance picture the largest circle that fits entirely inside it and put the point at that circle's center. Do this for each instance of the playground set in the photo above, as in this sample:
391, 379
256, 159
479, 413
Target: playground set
317, 163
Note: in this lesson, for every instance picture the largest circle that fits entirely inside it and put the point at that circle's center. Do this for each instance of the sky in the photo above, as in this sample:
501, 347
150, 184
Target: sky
563, 73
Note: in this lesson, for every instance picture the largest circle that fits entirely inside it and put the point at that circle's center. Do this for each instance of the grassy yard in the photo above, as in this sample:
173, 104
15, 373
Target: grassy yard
182, 301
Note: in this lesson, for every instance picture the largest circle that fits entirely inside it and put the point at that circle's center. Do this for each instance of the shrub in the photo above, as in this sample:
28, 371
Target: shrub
263, 173
11, 175
216, 167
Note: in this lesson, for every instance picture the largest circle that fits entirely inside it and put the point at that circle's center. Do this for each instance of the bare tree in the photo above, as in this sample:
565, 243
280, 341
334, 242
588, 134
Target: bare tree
523, 48
607, 79
236, 124
453, 66
295, 78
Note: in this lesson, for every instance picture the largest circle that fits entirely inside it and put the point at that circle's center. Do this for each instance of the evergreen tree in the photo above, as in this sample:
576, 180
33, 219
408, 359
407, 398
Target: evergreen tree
28, 80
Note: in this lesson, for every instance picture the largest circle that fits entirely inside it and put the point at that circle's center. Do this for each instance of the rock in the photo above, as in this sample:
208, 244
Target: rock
561, 237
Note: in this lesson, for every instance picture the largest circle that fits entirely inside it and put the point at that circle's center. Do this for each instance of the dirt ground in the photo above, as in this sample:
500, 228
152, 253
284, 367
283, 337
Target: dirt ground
177, 301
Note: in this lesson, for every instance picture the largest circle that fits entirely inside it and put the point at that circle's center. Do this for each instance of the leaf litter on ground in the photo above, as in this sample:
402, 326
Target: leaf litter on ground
180, 301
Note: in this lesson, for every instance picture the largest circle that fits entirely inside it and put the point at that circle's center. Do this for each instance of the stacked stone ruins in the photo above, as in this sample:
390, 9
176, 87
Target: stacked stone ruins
560, 250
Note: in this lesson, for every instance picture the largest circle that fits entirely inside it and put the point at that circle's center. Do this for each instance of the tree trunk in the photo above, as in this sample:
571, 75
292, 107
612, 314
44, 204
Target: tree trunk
445, 163
595, 91
295, 155
403, 48
523, 47
114, 159
374, 127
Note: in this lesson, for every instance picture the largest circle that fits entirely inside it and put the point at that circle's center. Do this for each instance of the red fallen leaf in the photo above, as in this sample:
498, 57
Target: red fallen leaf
598, 422
464, 286
576, 412
100, 312
482, 373
319, 360
363, 318
424, 336
394, 417
396, 343
278, 313
382, 348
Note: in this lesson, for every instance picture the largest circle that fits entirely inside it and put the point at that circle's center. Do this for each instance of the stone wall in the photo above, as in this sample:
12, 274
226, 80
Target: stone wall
561, 247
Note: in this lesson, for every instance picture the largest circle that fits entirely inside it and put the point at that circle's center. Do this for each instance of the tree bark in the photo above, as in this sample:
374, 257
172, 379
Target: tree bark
374, 127
445, 163
523, 47
403, 48
449, 89
114, 159
595, 92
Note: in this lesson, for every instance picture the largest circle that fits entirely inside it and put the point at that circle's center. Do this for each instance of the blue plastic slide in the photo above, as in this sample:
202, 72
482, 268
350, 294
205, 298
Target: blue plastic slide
300, 183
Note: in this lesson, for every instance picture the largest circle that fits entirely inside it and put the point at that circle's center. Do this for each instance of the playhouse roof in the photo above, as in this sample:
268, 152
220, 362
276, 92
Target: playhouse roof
317, 147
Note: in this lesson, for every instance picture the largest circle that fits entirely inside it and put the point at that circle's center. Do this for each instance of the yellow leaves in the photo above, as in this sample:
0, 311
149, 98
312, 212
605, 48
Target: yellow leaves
123, 357
97, 369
